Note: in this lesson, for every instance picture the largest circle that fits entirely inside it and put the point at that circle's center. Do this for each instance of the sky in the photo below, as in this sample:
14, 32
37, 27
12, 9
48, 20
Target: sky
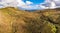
30, 4
35, 1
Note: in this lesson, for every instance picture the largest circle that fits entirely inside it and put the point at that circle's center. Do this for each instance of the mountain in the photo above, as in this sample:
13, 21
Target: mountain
13, 20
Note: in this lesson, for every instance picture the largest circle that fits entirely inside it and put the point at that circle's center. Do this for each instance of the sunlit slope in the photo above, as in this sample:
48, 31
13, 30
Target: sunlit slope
13, 20
52, 15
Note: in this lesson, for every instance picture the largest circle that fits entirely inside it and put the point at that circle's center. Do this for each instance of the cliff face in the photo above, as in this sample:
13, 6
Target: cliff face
13, 20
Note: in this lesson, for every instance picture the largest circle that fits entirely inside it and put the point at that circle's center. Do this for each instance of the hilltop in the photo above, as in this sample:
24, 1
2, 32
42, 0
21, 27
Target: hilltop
13, 20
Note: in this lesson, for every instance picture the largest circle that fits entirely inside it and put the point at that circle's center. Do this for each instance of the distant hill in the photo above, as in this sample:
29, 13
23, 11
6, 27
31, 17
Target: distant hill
13, 20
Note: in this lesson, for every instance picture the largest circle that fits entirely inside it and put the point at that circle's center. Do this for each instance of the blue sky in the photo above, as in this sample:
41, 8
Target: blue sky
30, 4
35, 1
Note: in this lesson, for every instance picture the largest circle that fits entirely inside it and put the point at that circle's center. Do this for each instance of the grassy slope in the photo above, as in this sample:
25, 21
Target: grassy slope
52, 15
13, 20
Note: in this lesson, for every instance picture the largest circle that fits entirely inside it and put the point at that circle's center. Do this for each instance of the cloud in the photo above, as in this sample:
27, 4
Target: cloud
47, 4
27, 5
18, 3
7, 3
56, 0
52, 3
24, 5
28, 2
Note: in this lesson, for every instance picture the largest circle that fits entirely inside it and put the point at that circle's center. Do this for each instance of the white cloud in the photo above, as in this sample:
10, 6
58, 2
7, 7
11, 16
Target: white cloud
7, 3
24, 5
28, 2
51, 4
19, 3
56, 0
48, 4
